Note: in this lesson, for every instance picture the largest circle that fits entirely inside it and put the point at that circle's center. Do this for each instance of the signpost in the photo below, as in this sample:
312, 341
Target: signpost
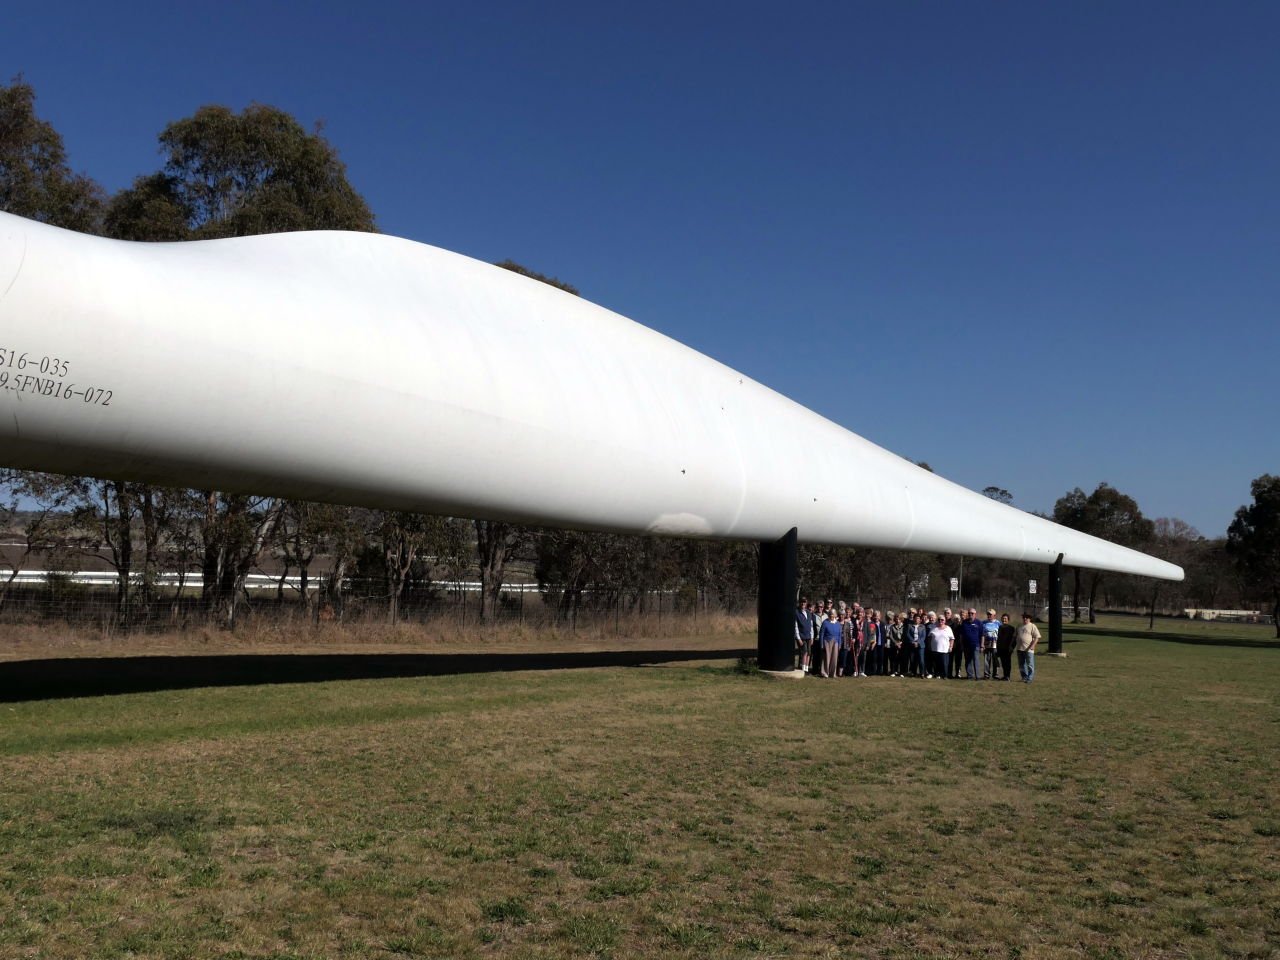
1055, 608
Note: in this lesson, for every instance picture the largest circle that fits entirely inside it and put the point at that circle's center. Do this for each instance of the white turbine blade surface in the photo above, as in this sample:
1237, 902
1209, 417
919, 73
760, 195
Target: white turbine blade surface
365, 369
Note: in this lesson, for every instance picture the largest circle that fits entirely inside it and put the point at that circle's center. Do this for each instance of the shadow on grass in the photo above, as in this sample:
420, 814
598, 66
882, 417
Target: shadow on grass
99, 676
1076, 634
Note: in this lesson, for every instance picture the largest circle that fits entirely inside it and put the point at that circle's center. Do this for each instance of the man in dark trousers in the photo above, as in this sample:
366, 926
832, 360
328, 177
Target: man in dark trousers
1004, 647
956, 664
971, 632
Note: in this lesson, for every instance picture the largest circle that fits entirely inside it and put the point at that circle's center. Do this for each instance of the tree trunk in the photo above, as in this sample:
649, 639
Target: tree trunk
214, 559
237, 566
398, 566
395, 581
13, 575
150, 542
1075, 597
123, 549
494, 544
399, 550
333, 589
184, 561
1093, 596
1211, 599
303, 582
304, 552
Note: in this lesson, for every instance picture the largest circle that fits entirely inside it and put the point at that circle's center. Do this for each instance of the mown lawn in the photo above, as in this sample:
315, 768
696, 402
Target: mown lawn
1123, 805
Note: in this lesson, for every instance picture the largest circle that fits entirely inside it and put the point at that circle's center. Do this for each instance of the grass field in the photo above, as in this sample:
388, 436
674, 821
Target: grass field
1178, 630
1123, 805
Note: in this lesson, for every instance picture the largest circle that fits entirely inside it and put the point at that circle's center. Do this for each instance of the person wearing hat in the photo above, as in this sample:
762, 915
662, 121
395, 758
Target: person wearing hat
1028, 637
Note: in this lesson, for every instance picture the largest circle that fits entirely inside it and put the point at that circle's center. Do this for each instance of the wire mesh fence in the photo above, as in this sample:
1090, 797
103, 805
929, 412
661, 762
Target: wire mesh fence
176, 604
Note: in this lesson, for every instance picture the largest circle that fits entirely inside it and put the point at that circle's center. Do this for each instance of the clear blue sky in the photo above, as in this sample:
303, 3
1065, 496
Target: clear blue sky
1034, 244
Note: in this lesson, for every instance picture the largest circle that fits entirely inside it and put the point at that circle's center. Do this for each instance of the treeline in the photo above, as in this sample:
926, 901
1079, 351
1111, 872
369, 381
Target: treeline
228, 174
142, 532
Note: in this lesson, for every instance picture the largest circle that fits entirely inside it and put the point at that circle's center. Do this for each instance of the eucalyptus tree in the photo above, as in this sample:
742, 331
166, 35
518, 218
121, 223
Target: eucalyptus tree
228, 174
1069, 510
34, 506
497, 542
35, 179
1253, 542
401, 537
1105, 513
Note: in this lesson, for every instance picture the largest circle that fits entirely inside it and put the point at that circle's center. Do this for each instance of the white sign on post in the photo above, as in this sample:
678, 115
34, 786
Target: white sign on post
1033, 587
955, 585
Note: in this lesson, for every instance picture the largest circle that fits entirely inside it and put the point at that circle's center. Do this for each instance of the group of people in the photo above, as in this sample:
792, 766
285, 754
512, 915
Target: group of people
846, 640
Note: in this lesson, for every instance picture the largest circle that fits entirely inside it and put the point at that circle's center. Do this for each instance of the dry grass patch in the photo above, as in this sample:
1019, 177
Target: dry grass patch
441, 634
1121, 806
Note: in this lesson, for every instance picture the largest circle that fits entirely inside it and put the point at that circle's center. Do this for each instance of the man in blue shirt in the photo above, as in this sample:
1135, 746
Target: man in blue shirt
971, 634
990, 641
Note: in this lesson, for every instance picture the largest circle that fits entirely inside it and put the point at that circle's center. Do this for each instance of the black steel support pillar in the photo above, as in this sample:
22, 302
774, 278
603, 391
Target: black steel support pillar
776, 611
1055, 606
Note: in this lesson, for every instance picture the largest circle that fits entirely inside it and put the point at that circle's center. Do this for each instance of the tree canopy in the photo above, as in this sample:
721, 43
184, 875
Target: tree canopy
1253, 540
1105, 513
998, 494
35, 180
230, 174
535, 275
